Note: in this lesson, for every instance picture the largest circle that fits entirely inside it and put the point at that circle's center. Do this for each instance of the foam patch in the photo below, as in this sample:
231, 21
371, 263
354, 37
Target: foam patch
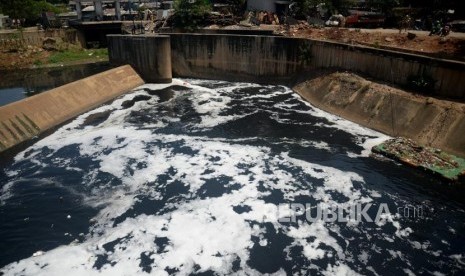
193, 184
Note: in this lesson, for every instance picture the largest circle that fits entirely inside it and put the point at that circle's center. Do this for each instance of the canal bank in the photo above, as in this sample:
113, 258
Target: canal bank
426, 120
18, 84
297, 63
166, 177
433, 118
22, 120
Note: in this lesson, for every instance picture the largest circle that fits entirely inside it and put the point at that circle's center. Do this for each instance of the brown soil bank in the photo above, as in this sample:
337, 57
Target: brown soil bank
432, 122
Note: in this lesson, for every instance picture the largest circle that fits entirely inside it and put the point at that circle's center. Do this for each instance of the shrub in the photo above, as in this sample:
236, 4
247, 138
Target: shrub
422, 83
190, 14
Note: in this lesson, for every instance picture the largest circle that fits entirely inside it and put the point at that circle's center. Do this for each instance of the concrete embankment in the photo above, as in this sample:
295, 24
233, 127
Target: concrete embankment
149, 55
428, 121
25, 119
235, 57
277, 59
272, 59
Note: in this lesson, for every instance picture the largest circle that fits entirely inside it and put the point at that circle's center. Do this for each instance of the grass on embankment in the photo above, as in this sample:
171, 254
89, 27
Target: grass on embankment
76, 55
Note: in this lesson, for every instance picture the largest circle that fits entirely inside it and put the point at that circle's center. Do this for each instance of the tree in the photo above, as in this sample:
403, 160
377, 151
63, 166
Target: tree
307, 7
383, 5
189, 14
341, 6
237, 6
28, 9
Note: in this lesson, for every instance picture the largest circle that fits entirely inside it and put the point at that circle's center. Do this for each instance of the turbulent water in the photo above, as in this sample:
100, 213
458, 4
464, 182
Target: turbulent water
197, 177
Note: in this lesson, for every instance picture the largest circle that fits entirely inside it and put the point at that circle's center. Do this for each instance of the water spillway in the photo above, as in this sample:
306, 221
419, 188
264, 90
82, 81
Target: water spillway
26, 119
217, 177
303, 64
200, 176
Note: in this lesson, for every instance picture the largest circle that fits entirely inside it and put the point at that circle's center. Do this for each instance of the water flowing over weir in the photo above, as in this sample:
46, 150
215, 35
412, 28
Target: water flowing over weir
187, 178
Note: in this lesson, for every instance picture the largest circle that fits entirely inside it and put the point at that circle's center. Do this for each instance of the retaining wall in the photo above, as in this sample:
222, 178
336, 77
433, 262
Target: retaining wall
149, 55
391, 66
276, 59
282, 58
25, 119
428, 121
17, 39
232, 57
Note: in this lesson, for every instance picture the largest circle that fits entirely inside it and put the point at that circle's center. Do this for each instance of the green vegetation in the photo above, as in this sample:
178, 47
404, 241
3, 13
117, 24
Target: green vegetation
305, 54
429, 159
37, 62
238, 6
73, 55
422, 83
27, 9
305, 7
188, 16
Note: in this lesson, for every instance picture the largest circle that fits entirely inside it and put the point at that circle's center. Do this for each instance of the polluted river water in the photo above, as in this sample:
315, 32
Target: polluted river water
215, 178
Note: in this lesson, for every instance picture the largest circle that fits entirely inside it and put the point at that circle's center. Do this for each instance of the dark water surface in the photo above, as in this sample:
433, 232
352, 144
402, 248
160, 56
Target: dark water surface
19, 84
196, 178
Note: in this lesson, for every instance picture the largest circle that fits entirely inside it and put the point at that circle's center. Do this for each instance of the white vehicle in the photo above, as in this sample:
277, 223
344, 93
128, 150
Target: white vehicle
335, 21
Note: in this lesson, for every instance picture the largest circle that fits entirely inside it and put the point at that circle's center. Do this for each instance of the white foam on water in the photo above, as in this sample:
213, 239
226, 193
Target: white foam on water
319, 231
367, 138
202, 233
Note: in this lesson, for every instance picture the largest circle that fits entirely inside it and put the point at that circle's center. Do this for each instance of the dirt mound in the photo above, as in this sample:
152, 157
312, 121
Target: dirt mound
415, 42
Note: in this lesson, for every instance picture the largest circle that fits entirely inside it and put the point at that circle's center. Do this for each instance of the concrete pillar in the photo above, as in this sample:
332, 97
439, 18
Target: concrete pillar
81, 37
98, 9
149, 55
79, 10
118, 10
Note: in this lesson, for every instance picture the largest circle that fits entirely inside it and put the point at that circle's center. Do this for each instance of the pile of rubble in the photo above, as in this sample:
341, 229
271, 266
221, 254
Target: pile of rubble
300, 26
430, 159
260, 17
21, 46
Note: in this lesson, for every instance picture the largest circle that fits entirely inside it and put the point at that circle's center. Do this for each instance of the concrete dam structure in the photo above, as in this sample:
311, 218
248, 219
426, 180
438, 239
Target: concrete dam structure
149, 55
279, 59
263, 59
293, 61
28, 118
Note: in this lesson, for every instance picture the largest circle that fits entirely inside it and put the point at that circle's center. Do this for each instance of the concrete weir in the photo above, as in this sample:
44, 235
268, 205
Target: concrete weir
149, 55
266, 59
273, 59
25, 119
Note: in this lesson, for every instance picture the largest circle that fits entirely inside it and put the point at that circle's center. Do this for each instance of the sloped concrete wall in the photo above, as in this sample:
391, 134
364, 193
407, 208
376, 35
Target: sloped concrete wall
272, 59
22, 120
431, 122
392, 67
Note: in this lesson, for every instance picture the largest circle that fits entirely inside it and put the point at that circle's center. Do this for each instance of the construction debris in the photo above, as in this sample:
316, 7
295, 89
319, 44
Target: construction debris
428, 159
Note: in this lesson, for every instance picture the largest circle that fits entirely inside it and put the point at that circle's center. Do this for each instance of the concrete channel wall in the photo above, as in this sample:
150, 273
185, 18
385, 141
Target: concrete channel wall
428, 121
276, 59
236, 57
25, 119
390, 66
273, 59
149, 55
281, 58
